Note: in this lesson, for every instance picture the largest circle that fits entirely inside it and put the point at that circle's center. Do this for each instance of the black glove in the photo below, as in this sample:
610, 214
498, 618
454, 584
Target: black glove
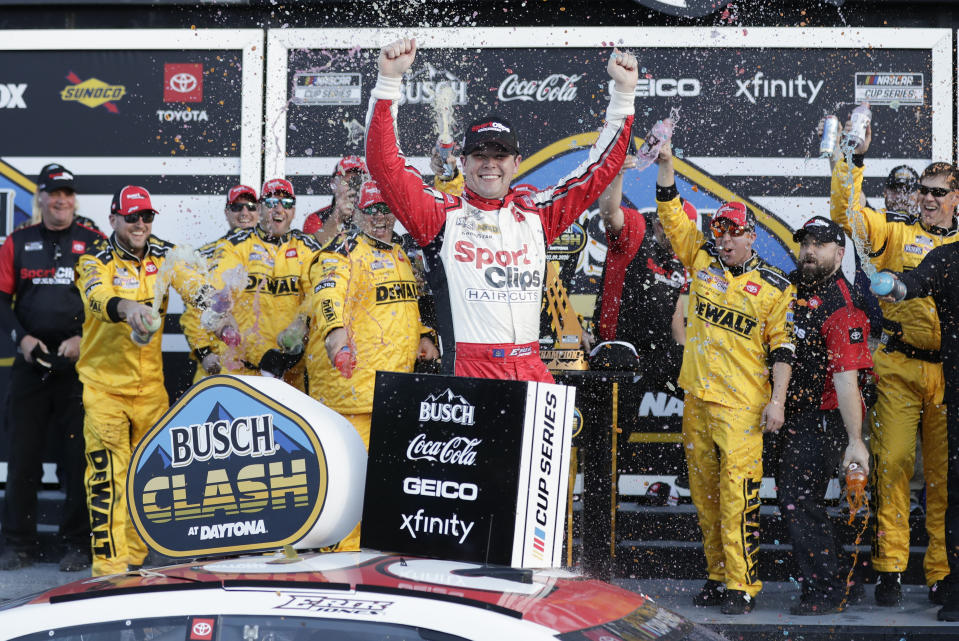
276, 362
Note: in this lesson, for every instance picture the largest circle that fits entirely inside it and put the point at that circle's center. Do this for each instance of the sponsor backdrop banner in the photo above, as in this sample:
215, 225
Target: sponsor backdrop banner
468, 469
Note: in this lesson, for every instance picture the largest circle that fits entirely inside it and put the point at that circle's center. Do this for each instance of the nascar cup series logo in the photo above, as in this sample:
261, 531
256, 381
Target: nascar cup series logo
226, 469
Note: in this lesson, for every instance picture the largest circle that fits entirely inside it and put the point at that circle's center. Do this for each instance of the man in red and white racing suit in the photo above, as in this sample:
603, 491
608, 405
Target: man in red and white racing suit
485, 251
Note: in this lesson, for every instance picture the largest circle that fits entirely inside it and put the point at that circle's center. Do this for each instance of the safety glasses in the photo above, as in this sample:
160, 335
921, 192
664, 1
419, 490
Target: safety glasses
237, 207
286, 202
937, 192
724, 226
145, 216
378, 208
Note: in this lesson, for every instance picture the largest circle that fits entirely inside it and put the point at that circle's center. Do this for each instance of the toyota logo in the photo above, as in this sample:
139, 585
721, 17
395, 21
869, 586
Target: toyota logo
183, 82
202, 628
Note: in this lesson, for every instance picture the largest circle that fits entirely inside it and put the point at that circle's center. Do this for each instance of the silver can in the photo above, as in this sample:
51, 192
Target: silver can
830, 137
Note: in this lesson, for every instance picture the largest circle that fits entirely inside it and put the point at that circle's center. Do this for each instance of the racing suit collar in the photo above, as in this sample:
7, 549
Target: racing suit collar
486, 204
750, 263
273, 240
942, 231
126, 253
379, 244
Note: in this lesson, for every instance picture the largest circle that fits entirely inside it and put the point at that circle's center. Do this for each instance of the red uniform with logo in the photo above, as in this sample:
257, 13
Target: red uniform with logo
485, 259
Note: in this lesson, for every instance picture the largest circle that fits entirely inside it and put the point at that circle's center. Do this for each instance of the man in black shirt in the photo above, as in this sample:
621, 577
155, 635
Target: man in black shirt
823, 398
938, 276
37, 278
639, 301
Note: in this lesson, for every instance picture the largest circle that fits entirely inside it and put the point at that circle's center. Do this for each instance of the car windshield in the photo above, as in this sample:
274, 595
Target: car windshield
241, 628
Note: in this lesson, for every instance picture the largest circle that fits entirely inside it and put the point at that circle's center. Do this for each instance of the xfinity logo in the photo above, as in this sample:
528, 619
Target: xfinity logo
440, 489
760, 87
422, 524
11, 96
447, 408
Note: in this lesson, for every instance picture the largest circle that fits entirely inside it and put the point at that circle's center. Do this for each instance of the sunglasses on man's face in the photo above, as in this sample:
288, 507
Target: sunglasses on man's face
937, 192
145, 216
725, 227
286, 202
237, 207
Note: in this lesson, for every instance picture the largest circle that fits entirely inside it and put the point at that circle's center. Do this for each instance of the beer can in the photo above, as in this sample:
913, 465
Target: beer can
830, 137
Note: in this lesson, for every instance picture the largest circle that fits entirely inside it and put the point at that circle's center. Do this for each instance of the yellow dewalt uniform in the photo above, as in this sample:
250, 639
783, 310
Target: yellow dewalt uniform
201, 340
273, 296
910, 385
367, 287
739, 320
123, 391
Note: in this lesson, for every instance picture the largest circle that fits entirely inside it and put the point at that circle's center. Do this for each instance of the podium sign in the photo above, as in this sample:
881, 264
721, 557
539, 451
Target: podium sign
468, 469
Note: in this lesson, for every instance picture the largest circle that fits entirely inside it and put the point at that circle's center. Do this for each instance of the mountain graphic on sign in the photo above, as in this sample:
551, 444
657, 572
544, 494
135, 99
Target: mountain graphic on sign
447, 397
219, 413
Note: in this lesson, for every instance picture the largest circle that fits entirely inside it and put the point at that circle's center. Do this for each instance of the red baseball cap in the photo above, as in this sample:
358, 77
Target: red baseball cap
131, 199
349, 163
276, 185
736, 213
240, 190
370, 195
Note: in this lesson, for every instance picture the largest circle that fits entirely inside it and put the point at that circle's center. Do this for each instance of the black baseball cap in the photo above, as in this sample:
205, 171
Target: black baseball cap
822, 229
53, 177
492, 129
901, 177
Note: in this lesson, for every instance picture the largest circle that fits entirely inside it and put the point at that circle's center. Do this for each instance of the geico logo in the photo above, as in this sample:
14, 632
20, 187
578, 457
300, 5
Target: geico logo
512, 277
457, 450
398, 291
243, 436
186, 115
467, 252
667, 87
440, 489
726, 318
254, 488
11, 96
275, 286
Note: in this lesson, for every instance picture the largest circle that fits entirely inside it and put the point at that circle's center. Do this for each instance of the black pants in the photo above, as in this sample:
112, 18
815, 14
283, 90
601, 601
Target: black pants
810, 450
952, 491
42, 405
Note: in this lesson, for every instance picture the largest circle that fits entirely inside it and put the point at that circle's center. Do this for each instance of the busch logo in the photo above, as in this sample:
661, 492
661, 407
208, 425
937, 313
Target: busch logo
447, 408
759, 87
420, 88
456, 451
555, 87
243, 436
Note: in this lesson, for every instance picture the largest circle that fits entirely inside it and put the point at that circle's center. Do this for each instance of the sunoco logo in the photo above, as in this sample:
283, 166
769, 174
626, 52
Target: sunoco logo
447, 408
421, 87
92, 92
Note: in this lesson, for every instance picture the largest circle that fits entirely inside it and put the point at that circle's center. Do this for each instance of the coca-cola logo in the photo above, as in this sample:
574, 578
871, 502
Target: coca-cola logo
458, 450
556, 87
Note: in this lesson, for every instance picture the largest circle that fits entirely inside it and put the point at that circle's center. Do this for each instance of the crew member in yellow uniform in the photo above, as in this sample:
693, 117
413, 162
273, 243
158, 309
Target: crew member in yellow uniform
242, 211
909, 368
123, 391
269, 309
365, 317
740, 320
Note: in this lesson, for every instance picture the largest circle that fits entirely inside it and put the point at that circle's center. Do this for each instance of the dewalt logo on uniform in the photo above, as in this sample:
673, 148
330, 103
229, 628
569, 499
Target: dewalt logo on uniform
282, 286
395, 292
728, 319
91, 92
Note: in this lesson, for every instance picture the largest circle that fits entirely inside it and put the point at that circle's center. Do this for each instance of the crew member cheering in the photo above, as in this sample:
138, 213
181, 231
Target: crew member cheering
740, 320
486, 250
